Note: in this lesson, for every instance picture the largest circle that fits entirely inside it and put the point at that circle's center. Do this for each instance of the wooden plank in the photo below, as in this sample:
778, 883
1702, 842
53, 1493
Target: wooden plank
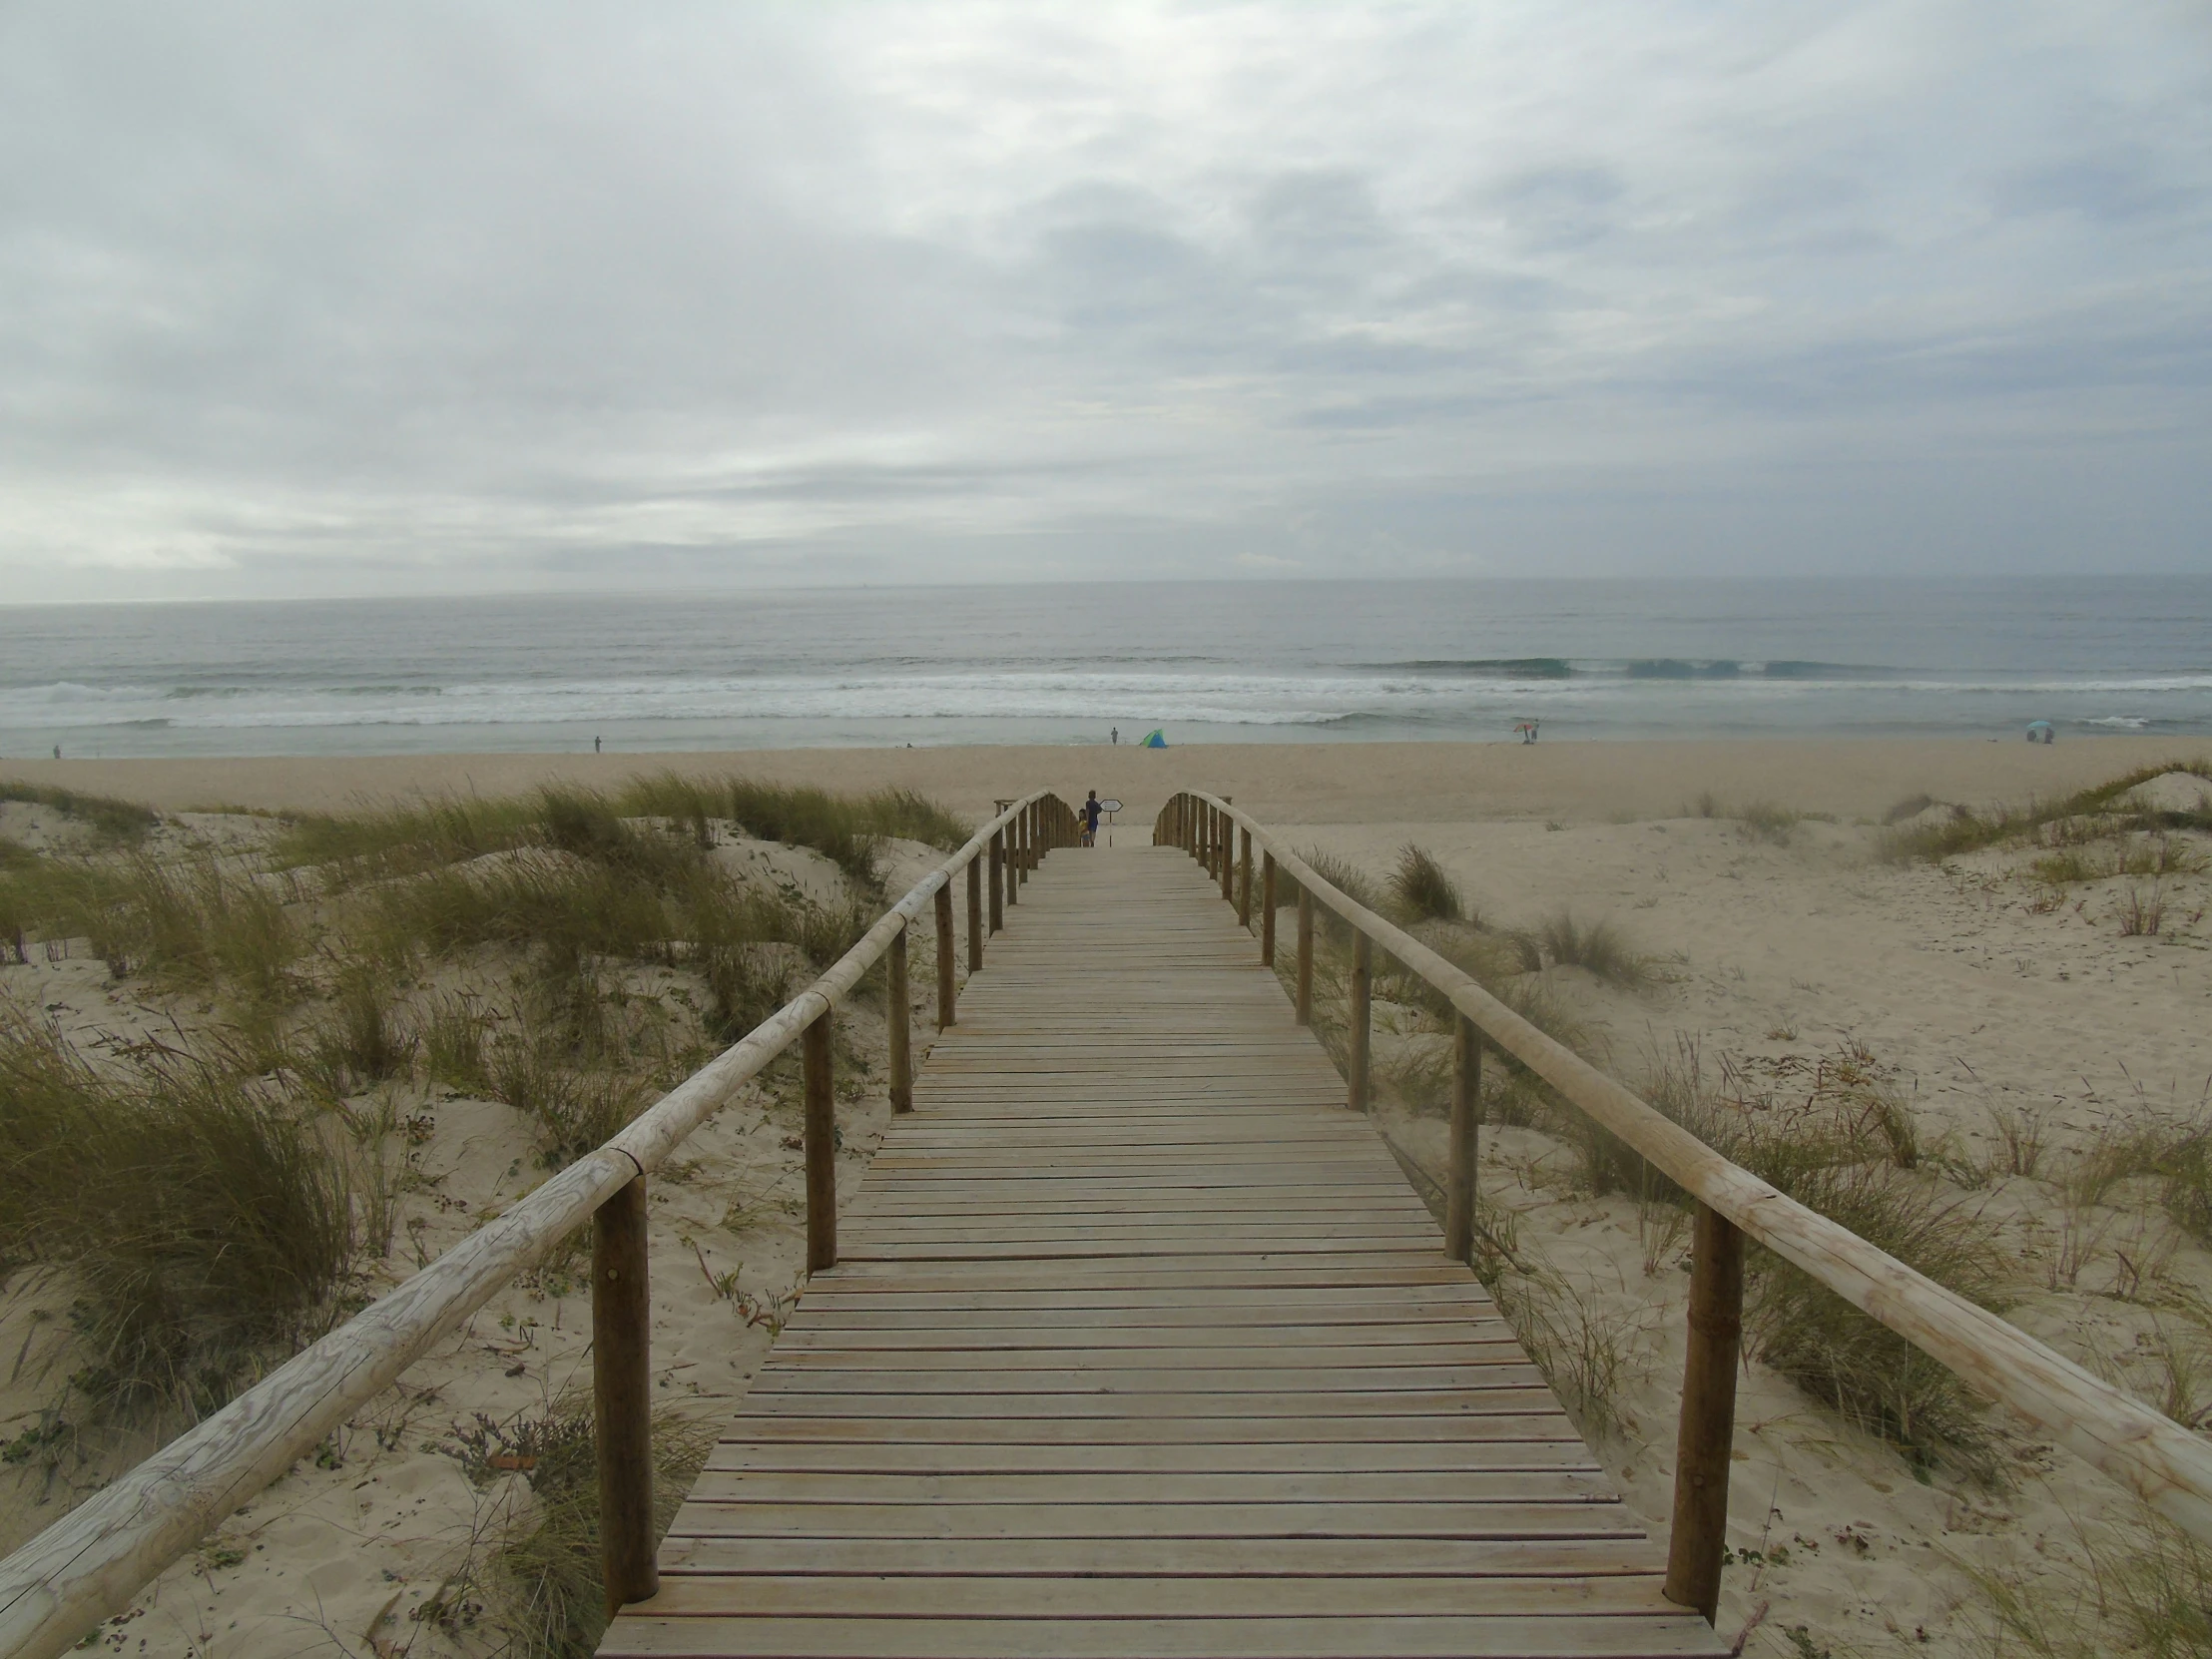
1609, 1555
1061, 1487
762, 1595
1571, 1516
1140, 1344
1423, 1458
1658, 1636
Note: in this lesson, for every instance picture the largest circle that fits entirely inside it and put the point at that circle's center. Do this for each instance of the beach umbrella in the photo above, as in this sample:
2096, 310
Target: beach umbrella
1153, 740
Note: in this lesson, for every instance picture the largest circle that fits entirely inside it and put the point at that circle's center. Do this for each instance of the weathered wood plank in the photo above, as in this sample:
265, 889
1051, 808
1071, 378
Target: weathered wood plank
1140, 1344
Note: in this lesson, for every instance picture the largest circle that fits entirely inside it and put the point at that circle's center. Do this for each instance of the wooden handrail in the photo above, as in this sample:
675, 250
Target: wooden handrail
2155, 1458
88, 1564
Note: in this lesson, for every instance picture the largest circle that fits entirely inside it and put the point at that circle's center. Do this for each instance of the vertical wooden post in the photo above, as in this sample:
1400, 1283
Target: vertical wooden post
1013, 859
1305, 956
1267, 910
622, 1395
1243, 880
1363, 996
1707, 1433
821, 1145
1227, 853
1024, 846
947, 991
998, 881
1467, 1093
974, 915
898, 1014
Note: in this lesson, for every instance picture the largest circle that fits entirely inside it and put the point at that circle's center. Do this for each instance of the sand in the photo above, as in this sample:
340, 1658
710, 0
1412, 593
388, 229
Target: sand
1424, 782
1985, 999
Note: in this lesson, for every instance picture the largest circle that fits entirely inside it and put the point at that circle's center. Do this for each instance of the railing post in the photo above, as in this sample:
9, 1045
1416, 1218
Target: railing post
622, 1395
1228, 850
947, 991
1024, 847
974, 915
1304, 956
1363, 986
998, 882
1013, 859
1707, 1433
1466, 1092
821, 1138
1243, 880
1267, 910
898, 1014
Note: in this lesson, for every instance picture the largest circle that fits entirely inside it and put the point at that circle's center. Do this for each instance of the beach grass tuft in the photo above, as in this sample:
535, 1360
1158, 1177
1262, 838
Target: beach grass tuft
1834, 1133
542, 1579
202, 1220
1598, 948
1422, 891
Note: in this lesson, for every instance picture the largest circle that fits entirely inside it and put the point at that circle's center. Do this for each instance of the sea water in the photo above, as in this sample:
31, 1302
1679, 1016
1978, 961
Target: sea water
1202, 662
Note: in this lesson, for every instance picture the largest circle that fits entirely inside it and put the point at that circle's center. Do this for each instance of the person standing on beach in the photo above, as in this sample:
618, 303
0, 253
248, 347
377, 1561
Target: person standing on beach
1090, 819
1117, 733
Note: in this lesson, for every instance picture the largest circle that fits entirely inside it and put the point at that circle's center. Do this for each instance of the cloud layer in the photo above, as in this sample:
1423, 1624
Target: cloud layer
417, 297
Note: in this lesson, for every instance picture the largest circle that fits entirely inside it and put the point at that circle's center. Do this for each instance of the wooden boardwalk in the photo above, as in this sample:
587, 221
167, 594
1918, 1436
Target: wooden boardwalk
1140, 1345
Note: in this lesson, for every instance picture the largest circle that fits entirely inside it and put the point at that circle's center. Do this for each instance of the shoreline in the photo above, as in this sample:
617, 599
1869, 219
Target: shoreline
1580, 781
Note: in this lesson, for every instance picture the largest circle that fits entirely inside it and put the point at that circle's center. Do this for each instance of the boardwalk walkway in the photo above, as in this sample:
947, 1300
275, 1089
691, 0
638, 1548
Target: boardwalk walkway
1140, 1344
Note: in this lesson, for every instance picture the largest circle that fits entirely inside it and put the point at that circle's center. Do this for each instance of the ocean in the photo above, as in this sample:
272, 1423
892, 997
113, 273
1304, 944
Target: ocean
1069, 664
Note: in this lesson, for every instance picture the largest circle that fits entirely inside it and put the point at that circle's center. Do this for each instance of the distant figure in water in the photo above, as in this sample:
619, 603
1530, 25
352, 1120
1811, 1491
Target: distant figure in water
57, 752
595, 746
1117, 733
1528, 731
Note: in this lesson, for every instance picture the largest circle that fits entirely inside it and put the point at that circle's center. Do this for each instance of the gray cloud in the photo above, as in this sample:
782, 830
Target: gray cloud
446, 298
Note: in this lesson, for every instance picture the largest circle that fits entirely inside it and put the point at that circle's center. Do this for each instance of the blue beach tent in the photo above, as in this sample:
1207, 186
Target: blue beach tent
1153, 740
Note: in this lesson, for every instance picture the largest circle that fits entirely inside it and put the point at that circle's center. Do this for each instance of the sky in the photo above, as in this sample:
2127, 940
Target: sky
459, 297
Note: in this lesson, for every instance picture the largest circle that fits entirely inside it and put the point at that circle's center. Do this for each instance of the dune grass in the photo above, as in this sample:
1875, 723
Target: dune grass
1421, 890
2086, 815
116, 822
1834, 1133
202, 1221
542, 1580
1597, 948
2143, 1591
377, 845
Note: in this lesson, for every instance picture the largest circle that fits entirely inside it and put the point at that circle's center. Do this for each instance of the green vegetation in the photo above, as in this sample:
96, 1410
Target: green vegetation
1598, 950
1421, 890
542, 1577
118, 823
203, 1221
848, 830
2087, 814
1769, 821
1834, 1133
2144, 1591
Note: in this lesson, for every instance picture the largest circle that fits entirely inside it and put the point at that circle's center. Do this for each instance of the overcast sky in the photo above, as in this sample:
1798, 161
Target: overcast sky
304, 298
